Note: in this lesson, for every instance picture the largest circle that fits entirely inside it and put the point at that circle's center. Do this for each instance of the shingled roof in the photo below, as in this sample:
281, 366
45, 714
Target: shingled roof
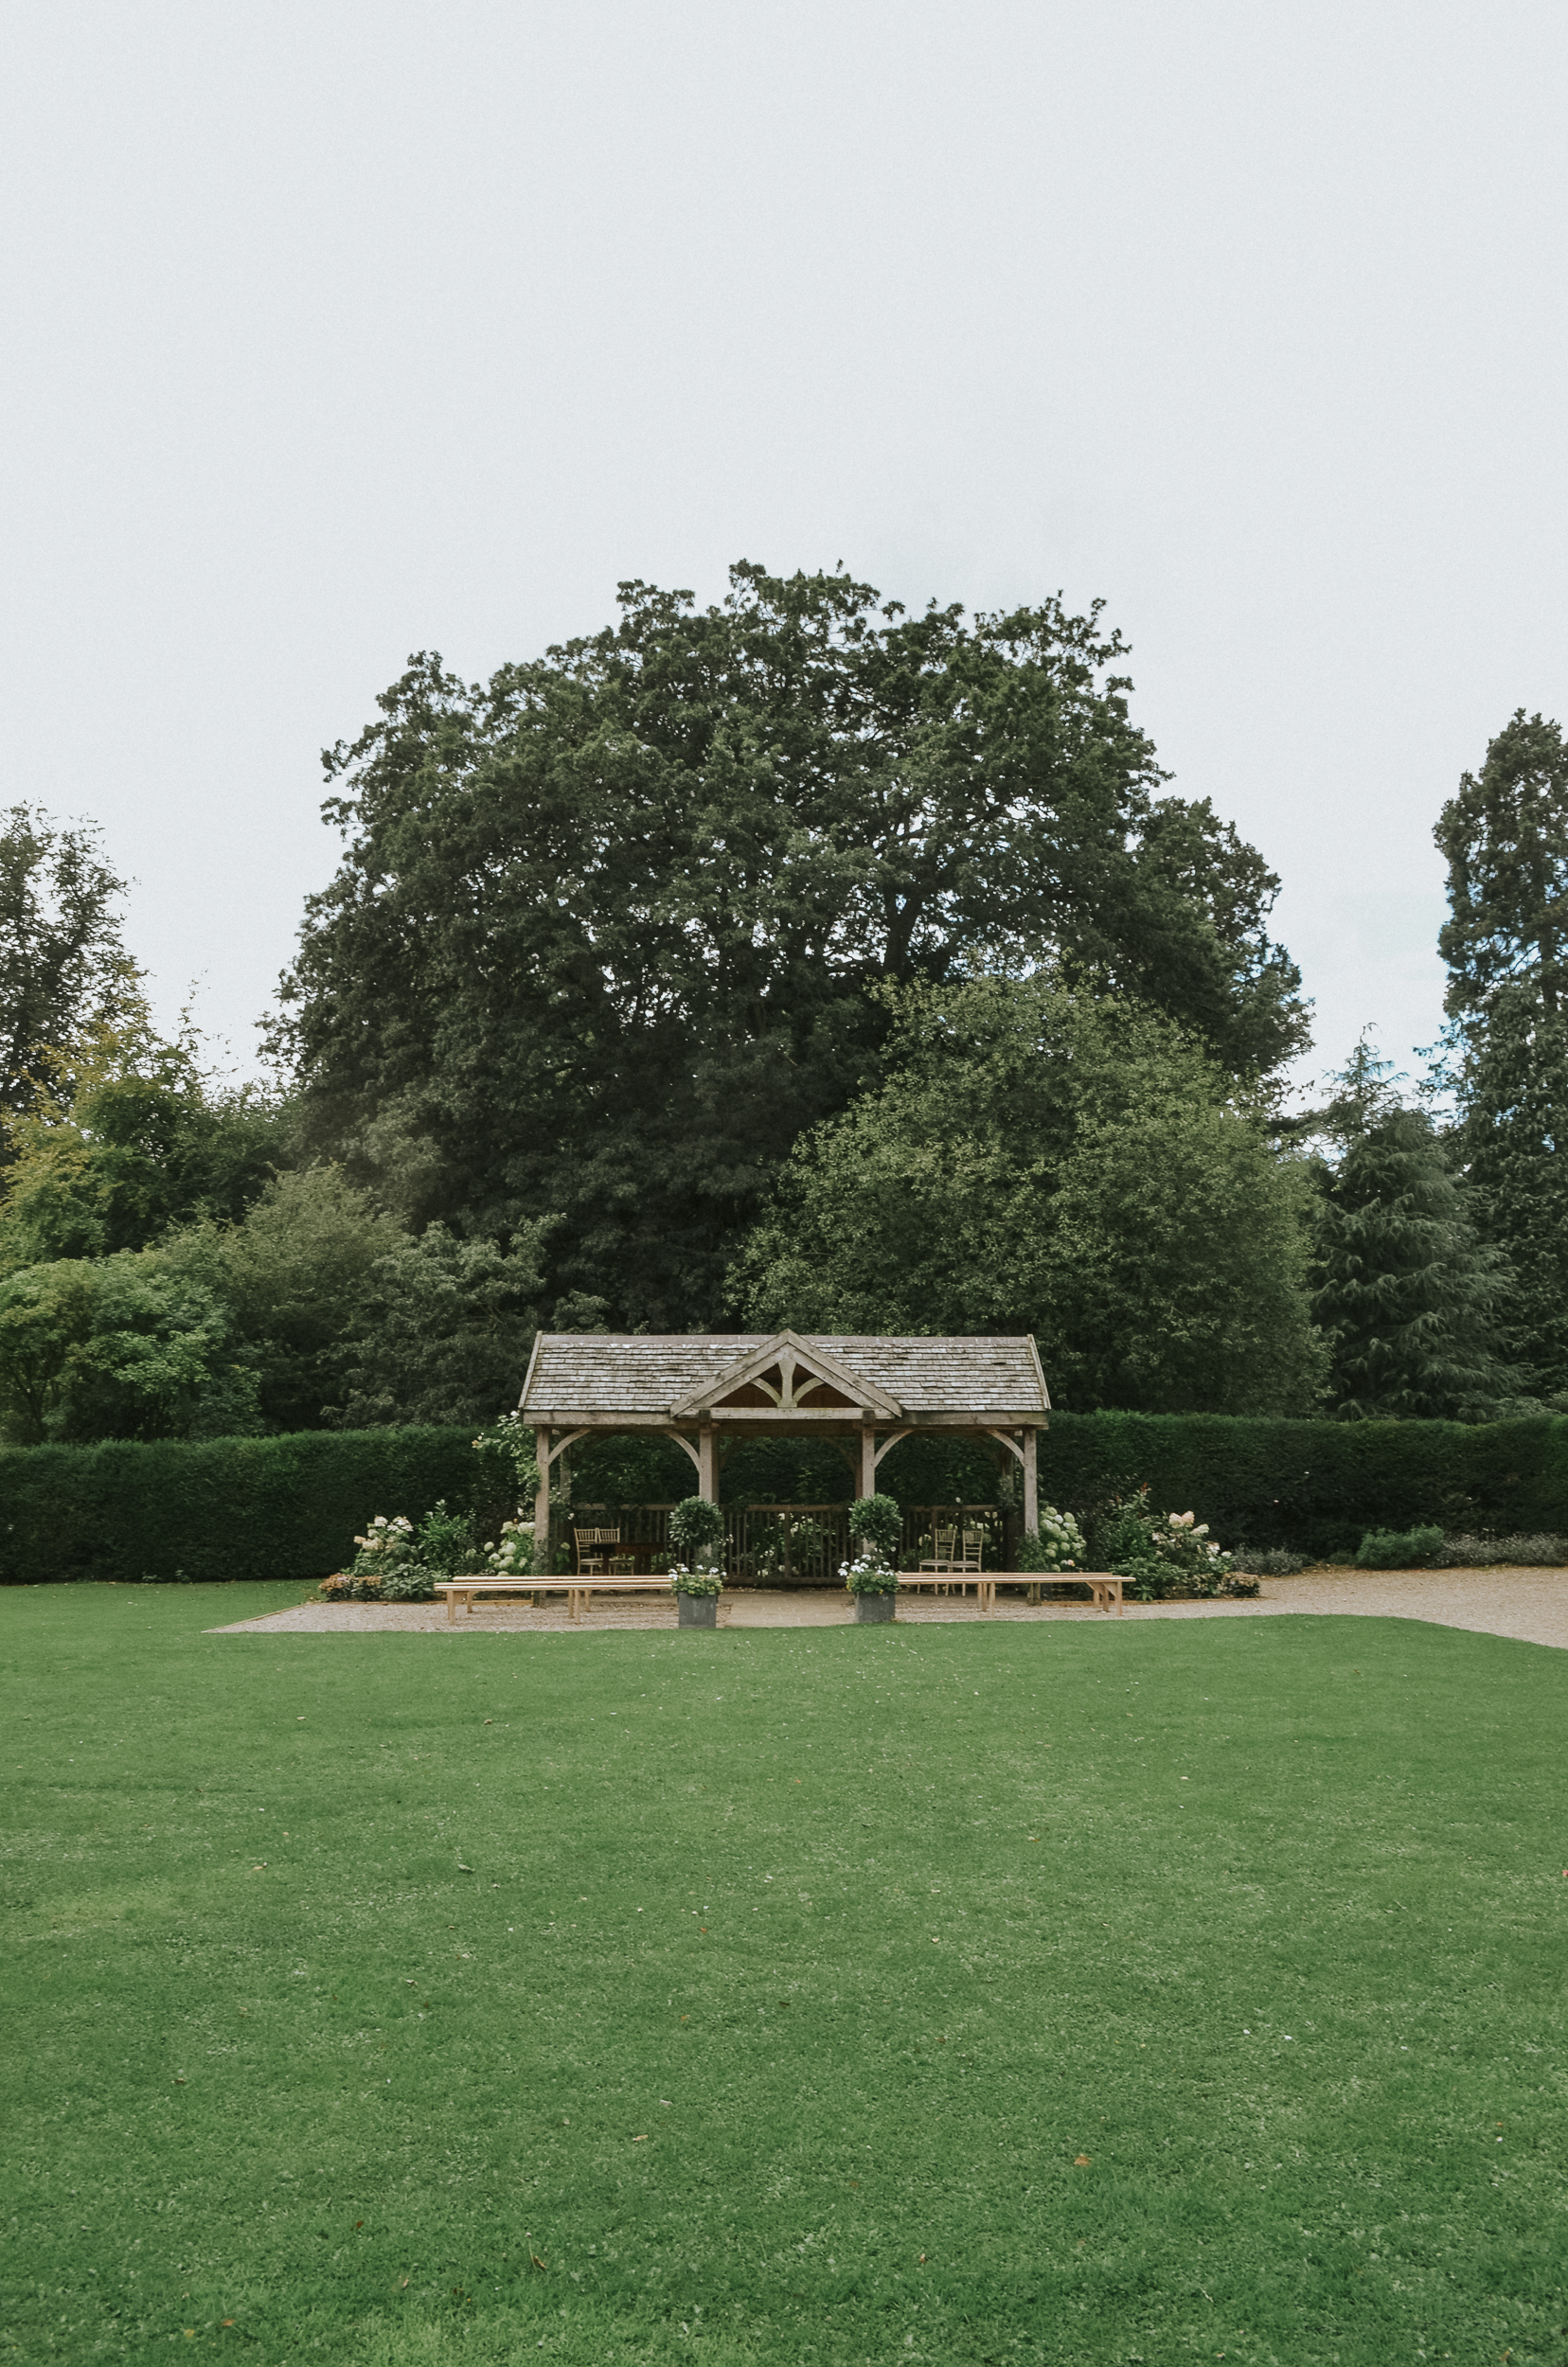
595, 1374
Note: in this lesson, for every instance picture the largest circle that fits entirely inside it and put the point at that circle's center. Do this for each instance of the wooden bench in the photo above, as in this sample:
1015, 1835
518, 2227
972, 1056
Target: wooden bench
943, 1578
1105, 1592
575, 1589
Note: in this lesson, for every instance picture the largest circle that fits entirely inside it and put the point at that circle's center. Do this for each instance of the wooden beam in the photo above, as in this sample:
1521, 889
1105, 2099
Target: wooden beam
788, 1418
708, 1468
867, 1483
1031, 1481
682, 1440
542, 1502
891, 1440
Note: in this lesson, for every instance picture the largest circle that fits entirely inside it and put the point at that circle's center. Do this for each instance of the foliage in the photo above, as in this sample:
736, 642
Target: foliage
444, 1542
1058, 1543
507, 1439
1316, 1486
295, 1273
1491, 1553
1408, 1298
1376, 1833
1398, 1549
876, 1524
1506, 839
514, 1555
122, 1135
1042, 1161
64, 970
221, 1507
1167, 1554
443, 1329
1269, 1561
1509, 1074
637, 891
696, 1525
126, 1346
702, 1581
388, 1545
868, 1574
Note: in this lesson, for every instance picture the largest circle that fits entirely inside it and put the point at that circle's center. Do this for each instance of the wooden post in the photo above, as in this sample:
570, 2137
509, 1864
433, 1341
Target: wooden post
867, 1461
707, 1472
542, 1502
1031, 1481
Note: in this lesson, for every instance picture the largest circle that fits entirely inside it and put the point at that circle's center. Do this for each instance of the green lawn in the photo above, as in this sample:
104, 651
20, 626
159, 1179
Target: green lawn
1085, 1992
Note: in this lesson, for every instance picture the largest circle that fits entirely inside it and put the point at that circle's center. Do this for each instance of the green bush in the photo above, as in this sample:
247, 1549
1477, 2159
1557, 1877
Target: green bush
1398, 1549
1056, 1544
1269, 1561
285, 1507
876, 1524
1316, 1486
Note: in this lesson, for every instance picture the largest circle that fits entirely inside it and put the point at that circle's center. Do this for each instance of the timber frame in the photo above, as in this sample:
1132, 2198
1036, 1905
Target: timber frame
706, 1389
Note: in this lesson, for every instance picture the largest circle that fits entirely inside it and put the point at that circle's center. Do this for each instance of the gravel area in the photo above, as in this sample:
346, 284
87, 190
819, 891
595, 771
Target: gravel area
1530, 1605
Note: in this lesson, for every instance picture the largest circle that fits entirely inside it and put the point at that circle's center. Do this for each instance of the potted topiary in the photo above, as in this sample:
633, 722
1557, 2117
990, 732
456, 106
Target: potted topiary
697, 1578
876, 1528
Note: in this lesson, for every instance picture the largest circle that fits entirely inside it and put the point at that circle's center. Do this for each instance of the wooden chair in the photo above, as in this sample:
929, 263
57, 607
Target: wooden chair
944, 1542
972, 1547
592, 1550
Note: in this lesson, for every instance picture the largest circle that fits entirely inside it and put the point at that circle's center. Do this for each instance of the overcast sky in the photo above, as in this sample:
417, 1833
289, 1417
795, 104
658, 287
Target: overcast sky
334, 331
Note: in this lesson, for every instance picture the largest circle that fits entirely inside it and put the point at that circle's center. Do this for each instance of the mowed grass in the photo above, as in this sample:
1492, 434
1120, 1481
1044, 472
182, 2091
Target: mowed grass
1134, 1991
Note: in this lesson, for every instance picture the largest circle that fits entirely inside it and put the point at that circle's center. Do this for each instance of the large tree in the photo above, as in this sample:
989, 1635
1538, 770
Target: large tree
1412, 1303
1041, 1160
605, 935
1506, 943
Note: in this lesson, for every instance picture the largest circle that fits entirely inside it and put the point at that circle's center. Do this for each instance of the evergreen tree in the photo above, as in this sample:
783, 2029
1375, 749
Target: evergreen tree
1506, 942
1407, 1295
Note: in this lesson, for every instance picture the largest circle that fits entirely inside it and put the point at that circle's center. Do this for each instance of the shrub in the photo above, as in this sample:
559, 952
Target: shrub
1519, 1553
1171, 1554
445, 1541
1057, 1544
696, 1525
876, 1525
515, 1555
1398, 1549
1269, 1561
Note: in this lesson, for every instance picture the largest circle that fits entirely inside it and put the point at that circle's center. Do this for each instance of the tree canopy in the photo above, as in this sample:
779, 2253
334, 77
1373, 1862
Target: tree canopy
1042, 1160
607, 931
63, 965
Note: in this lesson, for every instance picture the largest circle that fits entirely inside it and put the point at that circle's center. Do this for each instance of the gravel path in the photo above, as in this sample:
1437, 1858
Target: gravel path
1531, 1605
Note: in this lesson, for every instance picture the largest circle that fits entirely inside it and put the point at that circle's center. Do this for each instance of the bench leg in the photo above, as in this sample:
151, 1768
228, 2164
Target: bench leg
451, 1608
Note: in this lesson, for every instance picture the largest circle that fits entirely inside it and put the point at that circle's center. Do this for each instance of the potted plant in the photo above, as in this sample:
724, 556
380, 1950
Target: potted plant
876, 1528
697, 1579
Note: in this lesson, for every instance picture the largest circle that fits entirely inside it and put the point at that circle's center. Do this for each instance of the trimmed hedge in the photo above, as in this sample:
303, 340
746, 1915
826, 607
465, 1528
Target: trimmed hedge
289, 1507
1315, 1485
285, 1507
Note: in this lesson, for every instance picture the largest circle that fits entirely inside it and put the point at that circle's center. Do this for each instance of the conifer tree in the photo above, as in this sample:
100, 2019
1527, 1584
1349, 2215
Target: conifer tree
1408, 1296
1506, 942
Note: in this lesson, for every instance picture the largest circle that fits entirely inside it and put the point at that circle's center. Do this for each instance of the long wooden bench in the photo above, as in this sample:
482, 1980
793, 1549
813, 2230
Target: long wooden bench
1105, 1592
576, 1588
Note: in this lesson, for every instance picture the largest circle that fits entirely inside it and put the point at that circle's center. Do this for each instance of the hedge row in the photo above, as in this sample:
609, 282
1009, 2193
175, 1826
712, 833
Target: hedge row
1315, 1485
283, 1507
289, 1507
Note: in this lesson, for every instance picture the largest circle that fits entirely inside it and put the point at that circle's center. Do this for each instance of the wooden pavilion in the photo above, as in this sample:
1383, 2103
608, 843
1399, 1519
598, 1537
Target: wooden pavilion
707, 1389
